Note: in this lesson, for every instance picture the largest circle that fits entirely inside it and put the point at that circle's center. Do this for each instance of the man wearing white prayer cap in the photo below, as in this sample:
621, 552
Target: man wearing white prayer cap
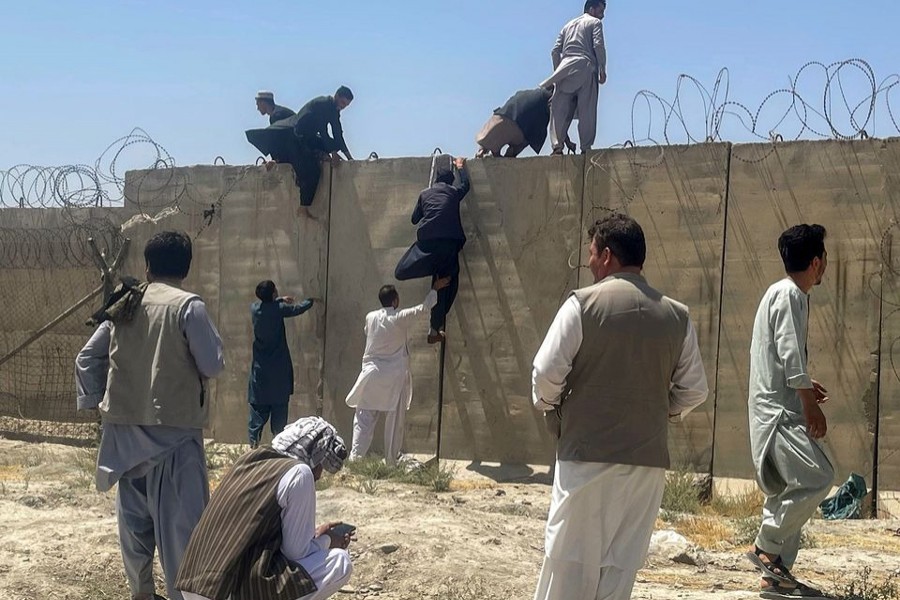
265, 104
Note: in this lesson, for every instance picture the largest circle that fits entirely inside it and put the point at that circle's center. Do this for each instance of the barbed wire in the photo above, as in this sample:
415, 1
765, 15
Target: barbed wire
79, 186
806, 109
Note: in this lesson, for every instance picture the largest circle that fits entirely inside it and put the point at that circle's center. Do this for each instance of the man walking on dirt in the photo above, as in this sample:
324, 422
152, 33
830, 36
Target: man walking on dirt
146, 368
786, 421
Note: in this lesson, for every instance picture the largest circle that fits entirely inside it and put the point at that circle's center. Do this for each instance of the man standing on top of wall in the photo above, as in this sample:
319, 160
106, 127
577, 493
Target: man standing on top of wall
579, 63
149, 362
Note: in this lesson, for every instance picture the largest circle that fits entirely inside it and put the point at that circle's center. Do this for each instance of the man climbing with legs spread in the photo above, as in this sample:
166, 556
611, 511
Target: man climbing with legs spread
579, 65
439, 240
786, 421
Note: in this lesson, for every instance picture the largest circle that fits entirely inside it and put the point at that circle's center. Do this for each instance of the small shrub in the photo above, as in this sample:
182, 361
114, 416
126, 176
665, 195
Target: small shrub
864, 587
436, 476
739, 506
681, 494
372, 468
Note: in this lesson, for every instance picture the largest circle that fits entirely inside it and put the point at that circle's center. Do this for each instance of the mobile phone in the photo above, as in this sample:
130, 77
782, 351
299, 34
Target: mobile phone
343, 529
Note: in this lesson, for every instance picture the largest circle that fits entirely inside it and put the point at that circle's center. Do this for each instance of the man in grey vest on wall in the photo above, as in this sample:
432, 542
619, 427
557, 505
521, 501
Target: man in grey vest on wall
619, 362
146, 369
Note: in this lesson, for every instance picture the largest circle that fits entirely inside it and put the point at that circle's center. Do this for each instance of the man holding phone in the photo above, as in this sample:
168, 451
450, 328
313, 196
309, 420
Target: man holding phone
257, 539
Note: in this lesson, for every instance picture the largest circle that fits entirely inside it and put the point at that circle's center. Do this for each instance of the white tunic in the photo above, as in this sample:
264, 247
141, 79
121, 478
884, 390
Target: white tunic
778, 368
385, 382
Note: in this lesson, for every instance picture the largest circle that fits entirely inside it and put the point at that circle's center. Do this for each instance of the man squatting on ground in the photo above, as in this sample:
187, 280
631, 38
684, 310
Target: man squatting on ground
258, 538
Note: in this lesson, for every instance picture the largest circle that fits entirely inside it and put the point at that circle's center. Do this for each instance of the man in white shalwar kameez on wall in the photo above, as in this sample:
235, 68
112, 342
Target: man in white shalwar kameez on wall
619, 362
786, 421
579, 67
384, 384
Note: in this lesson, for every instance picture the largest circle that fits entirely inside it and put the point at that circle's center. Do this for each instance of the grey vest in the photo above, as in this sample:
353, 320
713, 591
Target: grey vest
153, 379
616, 405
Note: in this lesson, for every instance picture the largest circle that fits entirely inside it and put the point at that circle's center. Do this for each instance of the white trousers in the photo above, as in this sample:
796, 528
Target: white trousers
364, 422
562, 113
598, 530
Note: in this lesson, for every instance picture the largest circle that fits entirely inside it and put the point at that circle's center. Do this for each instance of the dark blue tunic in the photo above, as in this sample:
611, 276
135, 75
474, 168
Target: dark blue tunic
272, 372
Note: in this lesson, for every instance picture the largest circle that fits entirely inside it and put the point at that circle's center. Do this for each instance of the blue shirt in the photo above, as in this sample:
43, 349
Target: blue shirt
272, 371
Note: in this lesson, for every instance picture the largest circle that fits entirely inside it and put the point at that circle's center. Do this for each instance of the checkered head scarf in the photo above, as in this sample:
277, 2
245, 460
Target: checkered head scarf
314, 441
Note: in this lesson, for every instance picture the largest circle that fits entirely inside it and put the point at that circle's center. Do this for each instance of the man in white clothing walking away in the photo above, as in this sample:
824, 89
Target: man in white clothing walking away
579, 65
619, 362
786, 421
384, 384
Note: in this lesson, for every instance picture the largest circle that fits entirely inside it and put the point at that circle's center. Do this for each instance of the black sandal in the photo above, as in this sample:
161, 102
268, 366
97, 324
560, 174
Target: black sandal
771, 570
775, 591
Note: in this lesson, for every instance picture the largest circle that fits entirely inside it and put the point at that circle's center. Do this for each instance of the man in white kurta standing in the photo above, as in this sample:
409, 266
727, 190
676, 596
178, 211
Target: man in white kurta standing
579, 67
385, 383
619, 362
786, 421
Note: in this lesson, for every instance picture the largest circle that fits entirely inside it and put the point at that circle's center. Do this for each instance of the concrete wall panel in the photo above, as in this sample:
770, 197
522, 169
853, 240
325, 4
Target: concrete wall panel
371, 204
522, 221
840, 186
677, 194
889, 389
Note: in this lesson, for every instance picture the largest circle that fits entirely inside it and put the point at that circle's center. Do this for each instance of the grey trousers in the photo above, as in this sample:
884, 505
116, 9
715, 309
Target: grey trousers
801, 475
160, 511
562, 113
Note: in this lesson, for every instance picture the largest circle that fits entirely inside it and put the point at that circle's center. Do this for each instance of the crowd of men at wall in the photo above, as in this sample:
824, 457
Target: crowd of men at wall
619, 362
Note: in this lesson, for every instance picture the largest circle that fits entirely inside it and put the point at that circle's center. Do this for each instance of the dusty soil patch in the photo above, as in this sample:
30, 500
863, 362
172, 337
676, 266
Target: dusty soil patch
481, 540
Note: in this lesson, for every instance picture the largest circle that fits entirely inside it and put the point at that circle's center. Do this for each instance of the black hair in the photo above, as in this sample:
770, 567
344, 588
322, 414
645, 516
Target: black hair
168, 255
593, 4
387, 295
344, 92
265, 290
624, 238
799, 245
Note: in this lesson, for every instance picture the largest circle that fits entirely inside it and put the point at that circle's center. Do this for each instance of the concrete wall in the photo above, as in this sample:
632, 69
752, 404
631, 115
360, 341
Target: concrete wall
253, 234
712, 214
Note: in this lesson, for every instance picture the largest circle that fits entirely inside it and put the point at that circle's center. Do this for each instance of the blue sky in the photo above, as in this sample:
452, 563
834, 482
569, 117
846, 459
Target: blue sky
77, 75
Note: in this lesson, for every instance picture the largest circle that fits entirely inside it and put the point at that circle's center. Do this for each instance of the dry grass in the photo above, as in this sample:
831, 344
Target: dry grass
739, 506
706, 531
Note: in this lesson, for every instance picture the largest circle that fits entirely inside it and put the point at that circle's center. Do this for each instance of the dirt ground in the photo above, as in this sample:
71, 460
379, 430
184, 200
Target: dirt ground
482, 540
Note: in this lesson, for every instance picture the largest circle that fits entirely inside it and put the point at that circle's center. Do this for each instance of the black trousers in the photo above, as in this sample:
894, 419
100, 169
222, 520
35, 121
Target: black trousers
307, 163
435, 259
